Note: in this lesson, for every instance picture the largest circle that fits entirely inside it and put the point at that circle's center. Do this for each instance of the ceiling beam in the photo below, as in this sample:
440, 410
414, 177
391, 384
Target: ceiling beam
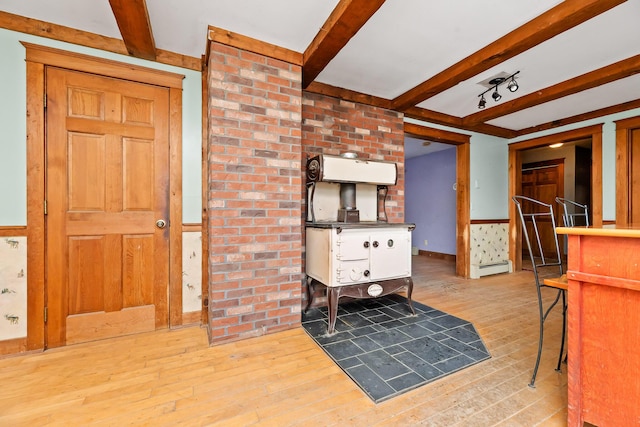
133, 21
456, 122
558, 19
343, 23
601, 76
51, 31
625, 106
435, 135
250, 44
348, 95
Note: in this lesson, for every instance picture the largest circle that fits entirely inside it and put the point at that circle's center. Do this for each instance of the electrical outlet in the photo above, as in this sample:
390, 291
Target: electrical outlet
426, 242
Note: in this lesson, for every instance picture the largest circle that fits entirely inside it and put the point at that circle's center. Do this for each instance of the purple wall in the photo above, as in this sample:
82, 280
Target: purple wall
430, 200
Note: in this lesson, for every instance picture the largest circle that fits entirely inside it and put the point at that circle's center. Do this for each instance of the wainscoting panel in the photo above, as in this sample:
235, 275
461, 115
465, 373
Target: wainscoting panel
13, 288
191, 271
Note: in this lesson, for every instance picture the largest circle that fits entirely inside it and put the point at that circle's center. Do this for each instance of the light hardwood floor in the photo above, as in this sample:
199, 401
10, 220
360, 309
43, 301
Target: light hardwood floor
168, 378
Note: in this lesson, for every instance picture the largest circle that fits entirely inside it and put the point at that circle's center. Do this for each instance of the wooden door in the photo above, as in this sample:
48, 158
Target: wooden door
628, 171
544, 181
107, 184
634, 176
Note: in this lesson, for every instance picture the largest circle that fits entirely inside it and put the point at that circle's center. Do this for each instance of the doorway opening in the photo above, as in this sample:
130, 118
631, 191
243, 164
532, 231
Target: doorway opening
461, 142
572, 171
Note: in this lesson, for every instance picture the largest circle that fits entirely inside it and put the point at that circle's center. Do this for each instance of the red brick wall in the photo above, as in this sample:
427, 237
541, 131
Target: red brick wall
333, 126
253, 195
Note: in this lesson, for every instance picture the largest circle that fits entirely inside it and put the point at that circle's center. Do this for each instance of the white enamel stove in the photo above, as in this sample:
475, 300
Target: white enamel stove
353, 252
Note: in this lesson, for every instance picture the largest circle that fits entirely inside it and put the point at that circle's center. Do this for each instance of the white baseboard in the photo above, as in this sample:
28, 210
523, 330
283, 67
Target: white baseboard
479, 270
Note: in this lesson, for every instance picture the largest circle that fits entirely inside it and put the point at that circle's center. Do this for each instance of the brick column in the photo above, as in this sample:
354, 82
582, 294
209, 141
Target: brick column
254, 205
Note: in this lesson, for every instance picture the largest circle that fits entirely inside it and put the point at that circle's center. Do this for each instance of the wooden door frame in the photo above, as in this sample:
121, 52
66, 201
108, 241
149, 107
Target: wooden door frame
623, 130
463, 198
515, 184
37, 59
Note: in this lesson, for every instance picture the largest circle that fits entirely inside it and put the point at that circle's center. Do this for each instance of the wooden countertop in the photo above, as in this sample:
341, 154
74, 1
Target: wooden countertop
605, 231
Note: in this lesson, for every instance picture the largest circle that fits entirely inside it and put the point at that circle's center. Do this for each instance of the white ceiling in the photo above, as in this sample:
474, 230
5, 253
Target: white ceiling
403, 44
408, 41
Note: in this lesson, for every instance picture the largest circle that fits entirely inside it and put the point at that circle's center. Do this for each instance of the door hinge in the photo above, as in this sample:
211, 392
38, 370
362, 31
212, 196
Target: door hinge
45, 100
46, 314
45, 207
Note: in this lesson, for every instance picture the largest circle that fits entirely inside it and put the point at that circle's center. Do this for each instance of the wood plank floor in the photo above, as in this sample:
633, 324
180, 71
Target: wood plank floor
168, 378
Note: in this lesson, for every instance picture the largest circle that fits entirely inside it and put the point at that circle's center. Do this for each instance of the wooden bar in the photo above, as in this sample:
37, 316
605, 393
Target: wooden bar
603, 318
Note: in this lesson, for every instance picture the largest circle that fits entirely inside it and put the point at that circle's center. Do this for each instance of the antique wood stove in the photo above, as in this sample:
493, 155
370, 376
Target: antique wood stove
351, 248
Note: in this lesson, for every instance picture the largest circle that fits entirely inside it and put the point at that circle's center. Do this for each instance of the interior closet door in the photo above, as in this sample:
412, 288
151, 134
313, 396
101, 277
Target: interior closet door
107, 181
634, 176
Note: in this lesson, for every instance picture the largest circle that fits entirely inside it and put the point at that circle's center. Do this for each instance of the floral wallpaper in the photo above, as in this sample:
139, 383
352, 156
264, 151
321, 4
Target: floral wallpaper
13, 287
489, 243
191, 271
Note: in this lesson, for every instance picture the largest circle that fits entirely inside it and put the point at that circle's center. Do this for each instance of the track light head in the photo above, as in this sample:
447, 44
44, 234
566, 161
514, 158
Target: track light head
495, 95
513, 85
482, 102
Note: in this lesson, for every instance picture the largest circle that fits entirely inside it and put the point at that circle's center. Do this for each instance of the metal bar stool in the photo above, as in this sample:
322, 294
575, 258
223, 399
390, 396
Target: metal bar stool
539, 233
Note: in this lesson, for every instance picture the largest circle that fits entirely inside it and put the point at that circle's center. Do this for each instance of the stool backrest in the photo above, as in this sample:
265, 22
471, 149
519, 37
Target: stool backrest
574, 213
539, 235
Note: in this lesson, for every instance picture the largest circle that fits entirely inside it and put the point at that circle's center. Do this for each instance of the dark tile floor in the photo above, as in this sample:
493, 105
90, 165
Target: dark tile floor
387, 351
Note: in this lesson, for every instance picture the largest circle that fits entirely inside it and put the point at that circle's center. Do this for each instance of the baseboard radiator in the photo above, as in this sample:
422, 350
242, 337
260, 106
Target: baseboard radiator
479, 270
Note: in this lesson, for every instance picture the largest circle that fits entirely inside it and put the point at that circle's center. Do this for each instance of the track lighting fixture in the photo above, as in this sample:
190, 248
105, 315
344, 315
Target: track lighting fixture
512, 86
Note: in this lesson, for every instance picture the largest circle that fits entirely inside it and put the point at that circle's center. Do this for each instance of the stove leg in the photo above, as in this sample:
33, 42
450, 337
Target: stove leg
309, 293
409, 292
333, 294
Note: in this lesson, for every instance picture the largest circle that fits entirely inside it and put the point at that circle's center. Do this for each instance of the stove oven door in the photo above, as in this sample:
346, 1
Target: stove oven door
352, 256
351, 272
390, 254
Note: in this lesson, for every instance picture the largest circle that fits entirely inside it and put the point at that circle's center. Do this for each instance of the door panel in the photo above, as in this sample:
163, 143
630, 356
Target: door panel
543, 183
106, 185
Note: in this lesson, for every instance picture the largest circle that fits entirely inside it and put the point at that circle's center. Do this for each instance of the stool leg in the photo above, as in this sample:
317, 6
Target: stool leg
535, 368
564, 329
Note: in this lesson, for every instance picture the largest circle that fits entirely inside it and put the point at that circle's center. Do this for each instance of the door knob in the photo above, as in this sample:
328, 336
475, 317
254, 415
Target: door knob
161, 223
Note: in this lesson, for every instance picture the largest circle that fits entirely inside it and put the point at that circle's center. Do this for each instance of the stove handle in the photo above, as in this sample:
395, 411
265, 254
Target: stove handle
366, 244
375, 243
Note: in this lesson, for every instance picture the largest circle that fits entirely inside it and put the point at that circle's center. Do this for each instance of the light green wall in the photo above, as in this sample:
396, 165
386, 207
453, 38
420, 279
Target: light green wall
13, 123
13, 126
489, 179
